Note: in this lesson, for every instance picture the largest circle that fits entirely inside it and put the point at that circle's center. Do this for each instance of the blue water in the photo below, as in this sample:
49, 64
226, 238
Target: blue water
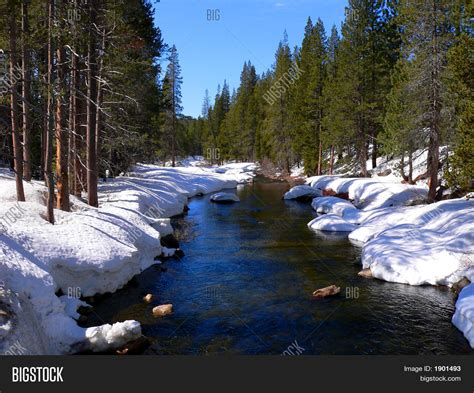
245, 284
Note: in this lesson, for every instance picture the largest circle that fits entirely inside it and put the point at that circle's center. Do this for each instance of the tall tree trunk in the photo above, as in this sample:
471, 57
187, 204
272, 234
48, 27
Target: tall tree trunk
48, 169
173, 132
92, 109
435, 109
62, 184
17, 150
72, 132
98, 125
26, 92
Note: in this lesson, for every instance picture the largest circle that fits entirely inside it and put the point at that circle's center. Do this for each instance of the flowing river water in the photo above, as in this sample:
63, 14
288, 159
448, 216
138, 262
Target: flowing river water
244, 287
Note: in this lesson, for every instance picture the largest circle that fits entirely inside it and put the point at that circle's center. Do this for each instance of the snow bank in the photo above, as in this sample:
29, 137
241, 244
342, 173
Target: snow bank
431, 244
37, 321
463, 318
90, 250
371, 193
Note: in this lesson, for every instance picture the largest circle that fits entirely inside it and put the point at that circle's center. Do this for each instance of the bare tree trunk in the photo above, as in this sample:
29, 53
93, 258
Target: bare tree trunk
62, 184
49, 116
374, 153
17, 151
92, 109
26, 92
320, 157
331, 161
363, 157
410, 167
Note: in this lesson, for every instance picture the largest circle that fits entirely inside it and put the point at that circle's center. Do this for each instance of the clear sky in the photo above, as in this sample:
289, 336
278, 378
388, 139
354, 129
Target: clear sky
213, 50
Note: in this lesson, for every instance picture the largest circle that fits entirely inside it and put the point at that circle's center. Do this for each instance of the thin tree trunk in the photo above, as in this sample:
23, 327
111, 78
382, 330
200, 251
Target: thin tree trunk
49, 116
363, 157
173, 132
331, 161
410, 167
98, 125
26, 93
17, 151
435, 111
62, 184
71, 124
374, 153
320, 157
92, 109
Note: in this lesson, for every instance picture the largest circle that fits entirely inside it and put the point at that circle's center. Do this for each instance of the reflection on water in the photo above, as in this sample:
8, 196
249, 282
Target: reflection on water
245, 284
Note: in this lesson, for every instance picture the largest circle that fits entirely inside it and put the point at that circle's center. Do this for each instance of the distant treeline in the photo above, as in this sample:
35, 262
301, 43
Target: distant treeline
397, 78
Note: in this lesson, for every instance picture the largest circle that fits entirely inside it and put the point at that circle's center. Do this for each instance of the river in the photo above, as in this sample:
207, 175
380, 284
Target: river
244, 287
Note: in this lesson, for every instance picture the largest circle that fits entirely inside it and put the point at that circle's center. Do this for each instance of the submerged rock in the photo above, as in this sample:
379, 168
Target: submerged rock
169, 241
224, 197
331, 290
161, 311
134, 347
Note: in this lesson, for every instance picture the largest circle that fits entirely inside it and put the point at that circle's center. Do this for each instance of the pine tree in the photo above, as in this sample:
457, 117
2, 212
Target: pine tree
307, 103
426, 39
277, 122
330, 136
172, 101
460, 174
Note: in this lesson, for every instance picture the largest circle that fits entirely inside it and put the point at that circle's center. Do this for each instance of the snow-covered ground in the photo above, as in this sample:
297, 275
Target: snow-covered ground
404, 239
88, 251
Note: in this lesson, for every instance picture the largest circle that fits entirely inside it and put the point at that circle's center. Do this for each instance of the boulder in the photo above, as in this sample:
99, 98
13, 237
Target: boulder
458, 286
367, 273
331, 192
331, 290
148, 298
302, 193
161, 311
224, 197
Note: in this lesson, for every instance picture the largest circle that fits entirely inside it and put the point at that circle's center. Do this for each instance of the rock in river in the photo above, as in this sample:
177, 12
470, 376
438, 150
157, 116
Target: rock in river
328, 291
161, 311
148, 298
224, 197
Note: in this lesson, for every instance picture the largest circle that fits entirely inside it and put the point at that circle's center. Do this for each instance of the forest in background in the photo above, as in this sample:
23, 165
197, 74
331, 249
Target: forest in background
83, 93
396, 78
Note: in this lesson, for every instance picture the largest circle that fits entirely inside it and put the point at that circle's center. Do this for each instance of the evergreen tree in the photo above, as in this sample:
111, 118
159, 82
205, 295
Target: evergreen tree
307, 97
426, 35
460, 174
277, 122
172, 102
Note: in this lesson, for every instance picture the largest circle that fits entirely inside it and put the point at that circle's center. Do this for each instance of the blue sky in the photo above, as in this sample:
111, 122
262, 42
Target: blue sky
213, 50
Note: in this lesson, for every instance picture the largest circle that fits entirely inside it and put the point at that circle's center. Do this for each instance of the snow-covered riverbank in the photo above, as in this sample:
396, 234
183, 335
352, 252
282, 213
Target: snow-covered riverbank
403, 239
88, 251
